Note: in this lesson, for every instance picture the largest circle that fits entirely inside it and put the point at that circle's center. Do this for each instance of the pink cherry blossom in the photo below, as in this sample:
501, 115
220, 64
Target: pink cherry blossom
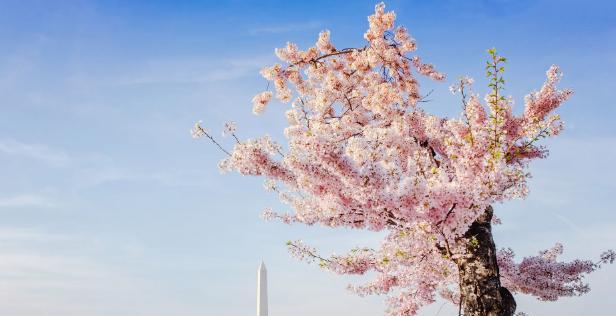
260, 101
230, 128
362, 152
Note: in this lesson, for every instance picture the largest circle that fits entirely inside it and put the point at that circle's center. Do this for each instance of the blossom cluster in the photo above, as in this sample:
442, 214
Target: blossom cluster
363, 153
543, 276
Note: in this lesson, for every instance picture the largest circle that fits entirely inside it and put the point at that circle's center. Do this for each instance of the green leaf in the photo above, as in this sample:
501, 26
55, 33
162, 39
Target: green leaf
474, 242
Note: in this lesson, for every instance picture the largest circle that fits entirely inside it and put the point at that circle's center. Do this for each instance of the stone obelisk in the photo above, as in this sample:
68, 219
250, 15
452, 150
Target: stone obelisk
262, 291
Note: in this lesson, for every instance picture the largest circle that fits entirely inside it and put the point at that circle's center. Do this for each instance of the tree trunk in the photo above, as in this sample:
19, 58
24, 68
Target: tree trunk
480, 288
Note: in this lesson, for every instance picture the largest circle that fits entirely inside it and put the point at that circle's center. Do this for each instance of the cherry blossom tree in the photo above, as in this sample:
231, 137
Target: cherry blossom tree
362, 152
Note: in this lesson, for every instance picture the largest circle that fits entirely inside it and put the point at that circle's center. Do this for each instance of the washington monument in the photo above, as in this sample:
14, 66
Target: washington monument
262, 290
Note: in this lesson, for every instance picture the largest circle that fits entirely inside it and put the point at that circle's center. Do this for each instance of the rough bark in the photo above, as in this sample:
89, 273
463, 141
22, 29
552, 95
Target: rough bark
480, 288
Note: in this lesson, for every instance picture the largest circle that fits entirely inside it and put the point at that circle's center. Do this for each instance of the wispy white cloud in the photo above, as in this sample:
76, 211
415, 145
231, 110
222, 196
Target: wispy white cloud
568, 222
66, 274
19, 62
294, 27
102, 175
23, 257
195, 70
25, 200
91, 170
9, 235
44, 278
34, 151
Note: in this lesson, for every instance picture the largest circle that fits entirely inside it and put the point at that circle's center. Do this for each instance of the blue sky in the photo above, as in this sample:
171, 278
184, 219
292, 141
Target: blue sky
108, 207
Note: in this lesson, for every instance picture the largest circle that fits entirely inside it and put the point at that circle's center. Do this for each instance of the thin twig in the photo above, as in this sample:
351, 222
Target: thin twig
424, 98
213, 140
468, 121
236, 139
